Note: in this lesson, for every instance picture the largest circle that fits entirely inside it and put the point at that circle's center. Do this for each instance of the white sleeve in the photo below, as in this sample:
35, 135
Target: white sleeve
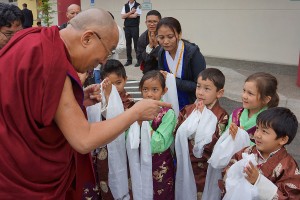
266, 189
122, 42
139, 10
123, 10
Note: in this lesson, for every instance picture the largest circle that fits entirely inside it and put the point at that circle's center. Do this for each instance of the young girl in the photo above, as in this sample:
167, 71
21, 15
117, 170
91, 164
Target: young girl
152, 86
259, 93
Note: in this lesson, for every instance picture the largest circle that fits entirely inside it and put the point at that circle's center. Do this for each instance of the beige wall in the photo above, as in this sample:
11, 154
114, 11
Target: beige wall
256, 30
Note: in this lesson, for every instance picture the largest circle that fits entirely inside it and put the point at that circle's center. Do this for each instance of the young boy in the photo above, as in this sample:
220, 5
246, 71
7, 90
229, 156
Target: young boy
210, 87
277, 174
115, 71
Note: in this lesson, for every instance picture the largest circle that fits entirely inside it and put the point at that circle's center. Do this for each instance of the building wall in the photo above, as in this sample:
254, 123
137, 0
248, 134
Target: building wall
255, 30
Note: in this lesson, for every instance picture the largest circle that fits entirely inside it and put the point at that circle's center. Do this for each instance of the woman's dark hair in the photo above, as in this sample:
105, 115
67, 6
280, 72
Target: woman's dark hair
155, 75
10, 13
170, 22
282, 120
266, 85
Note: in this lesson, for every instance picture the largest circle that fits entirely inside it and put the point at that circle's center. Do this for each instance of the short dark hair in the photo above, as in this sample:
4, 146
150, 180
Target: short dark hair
10, 13
153, 74
24, 5
154, 12
214, 75
282, 120
112, 66
170, 22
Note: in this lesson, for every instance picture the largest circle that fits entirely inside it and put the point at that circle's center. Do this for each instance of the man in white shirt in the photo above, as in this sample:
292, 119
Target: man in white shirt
131, 13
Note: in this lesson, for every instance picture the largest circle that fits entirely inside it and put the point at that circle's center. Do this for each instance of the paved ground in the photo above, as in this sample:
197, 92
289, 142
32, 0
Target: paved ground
236, 71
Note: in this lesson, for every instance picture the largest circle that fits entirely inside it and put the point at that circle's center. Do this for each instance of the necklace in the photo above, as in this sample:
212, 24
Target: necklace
179, 59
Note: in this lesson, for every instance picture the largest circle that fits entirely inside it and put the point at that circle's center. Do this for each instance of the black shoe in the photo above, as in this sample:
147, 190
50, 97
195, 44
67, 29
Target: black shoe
137, 65
127, 63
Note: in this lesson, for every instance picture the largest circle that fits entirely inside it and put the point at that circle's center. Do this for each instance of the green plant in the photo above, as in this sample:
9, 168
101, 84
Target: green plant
46, 12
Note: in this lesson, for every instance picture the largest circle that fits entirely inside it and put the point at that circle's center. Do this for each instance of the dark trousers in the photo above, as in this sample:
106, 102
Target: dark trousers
131, 33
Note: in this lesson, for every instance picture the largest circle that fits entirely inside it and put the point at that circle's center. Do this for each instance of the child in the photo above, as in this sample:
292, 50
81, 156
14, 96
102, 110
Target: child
210, 84
277, 174
259, 93
115, 71
152, 86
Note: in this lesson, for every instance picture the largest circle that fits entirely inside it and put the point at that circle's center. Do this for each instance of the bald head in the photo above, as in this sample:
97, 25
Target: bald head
90, 37
96, 19
72, 11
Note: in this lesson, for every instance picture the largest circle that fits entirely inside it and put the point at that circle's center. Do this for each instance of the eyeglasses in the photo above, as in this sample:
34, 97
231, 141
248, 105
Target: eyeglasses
151, 22
110, 53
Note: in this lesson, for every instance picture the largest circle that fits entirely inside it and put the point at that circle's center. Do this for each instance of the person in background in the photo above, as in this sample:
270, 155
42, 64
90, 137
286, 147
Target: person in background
72, 11
131, 13
11, 20
147, 46
45, 137
179, 57
28, 17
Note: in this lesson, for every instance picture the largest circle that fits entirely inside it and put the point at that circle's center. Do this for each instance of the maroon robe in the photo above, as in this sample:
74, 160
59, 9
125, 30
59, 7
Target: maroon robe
200, 165
281, 169
100, 159
37, 162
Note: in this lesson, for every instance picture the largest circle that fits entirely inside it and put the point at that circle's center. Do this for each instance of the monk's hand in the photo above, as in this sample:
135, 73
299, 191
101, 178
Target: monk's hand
106, 86
91, 95
148, 109
252, 173
233, 129
164, 73
200, 106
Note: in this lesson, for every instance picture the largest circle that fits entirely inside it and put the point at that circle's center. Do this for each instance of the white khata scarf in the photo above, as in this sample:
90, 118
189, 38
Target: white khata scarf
223, 151
201, 126
171, 95
140, 161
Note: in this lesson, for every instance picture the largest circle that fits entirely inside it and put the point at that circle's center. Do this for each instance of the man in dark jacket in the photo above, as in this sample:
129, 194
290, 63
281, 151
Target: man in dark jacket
27, 16
147, 46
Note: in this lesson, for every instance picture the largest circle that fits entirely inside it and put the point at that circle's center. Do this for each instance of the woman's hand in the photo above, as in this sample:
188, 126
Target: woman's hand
164, 73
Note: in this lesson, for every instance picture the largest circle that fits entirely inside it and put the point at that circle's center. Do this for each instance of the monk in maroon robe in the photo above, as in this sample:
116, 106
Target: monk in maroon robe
42, 125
